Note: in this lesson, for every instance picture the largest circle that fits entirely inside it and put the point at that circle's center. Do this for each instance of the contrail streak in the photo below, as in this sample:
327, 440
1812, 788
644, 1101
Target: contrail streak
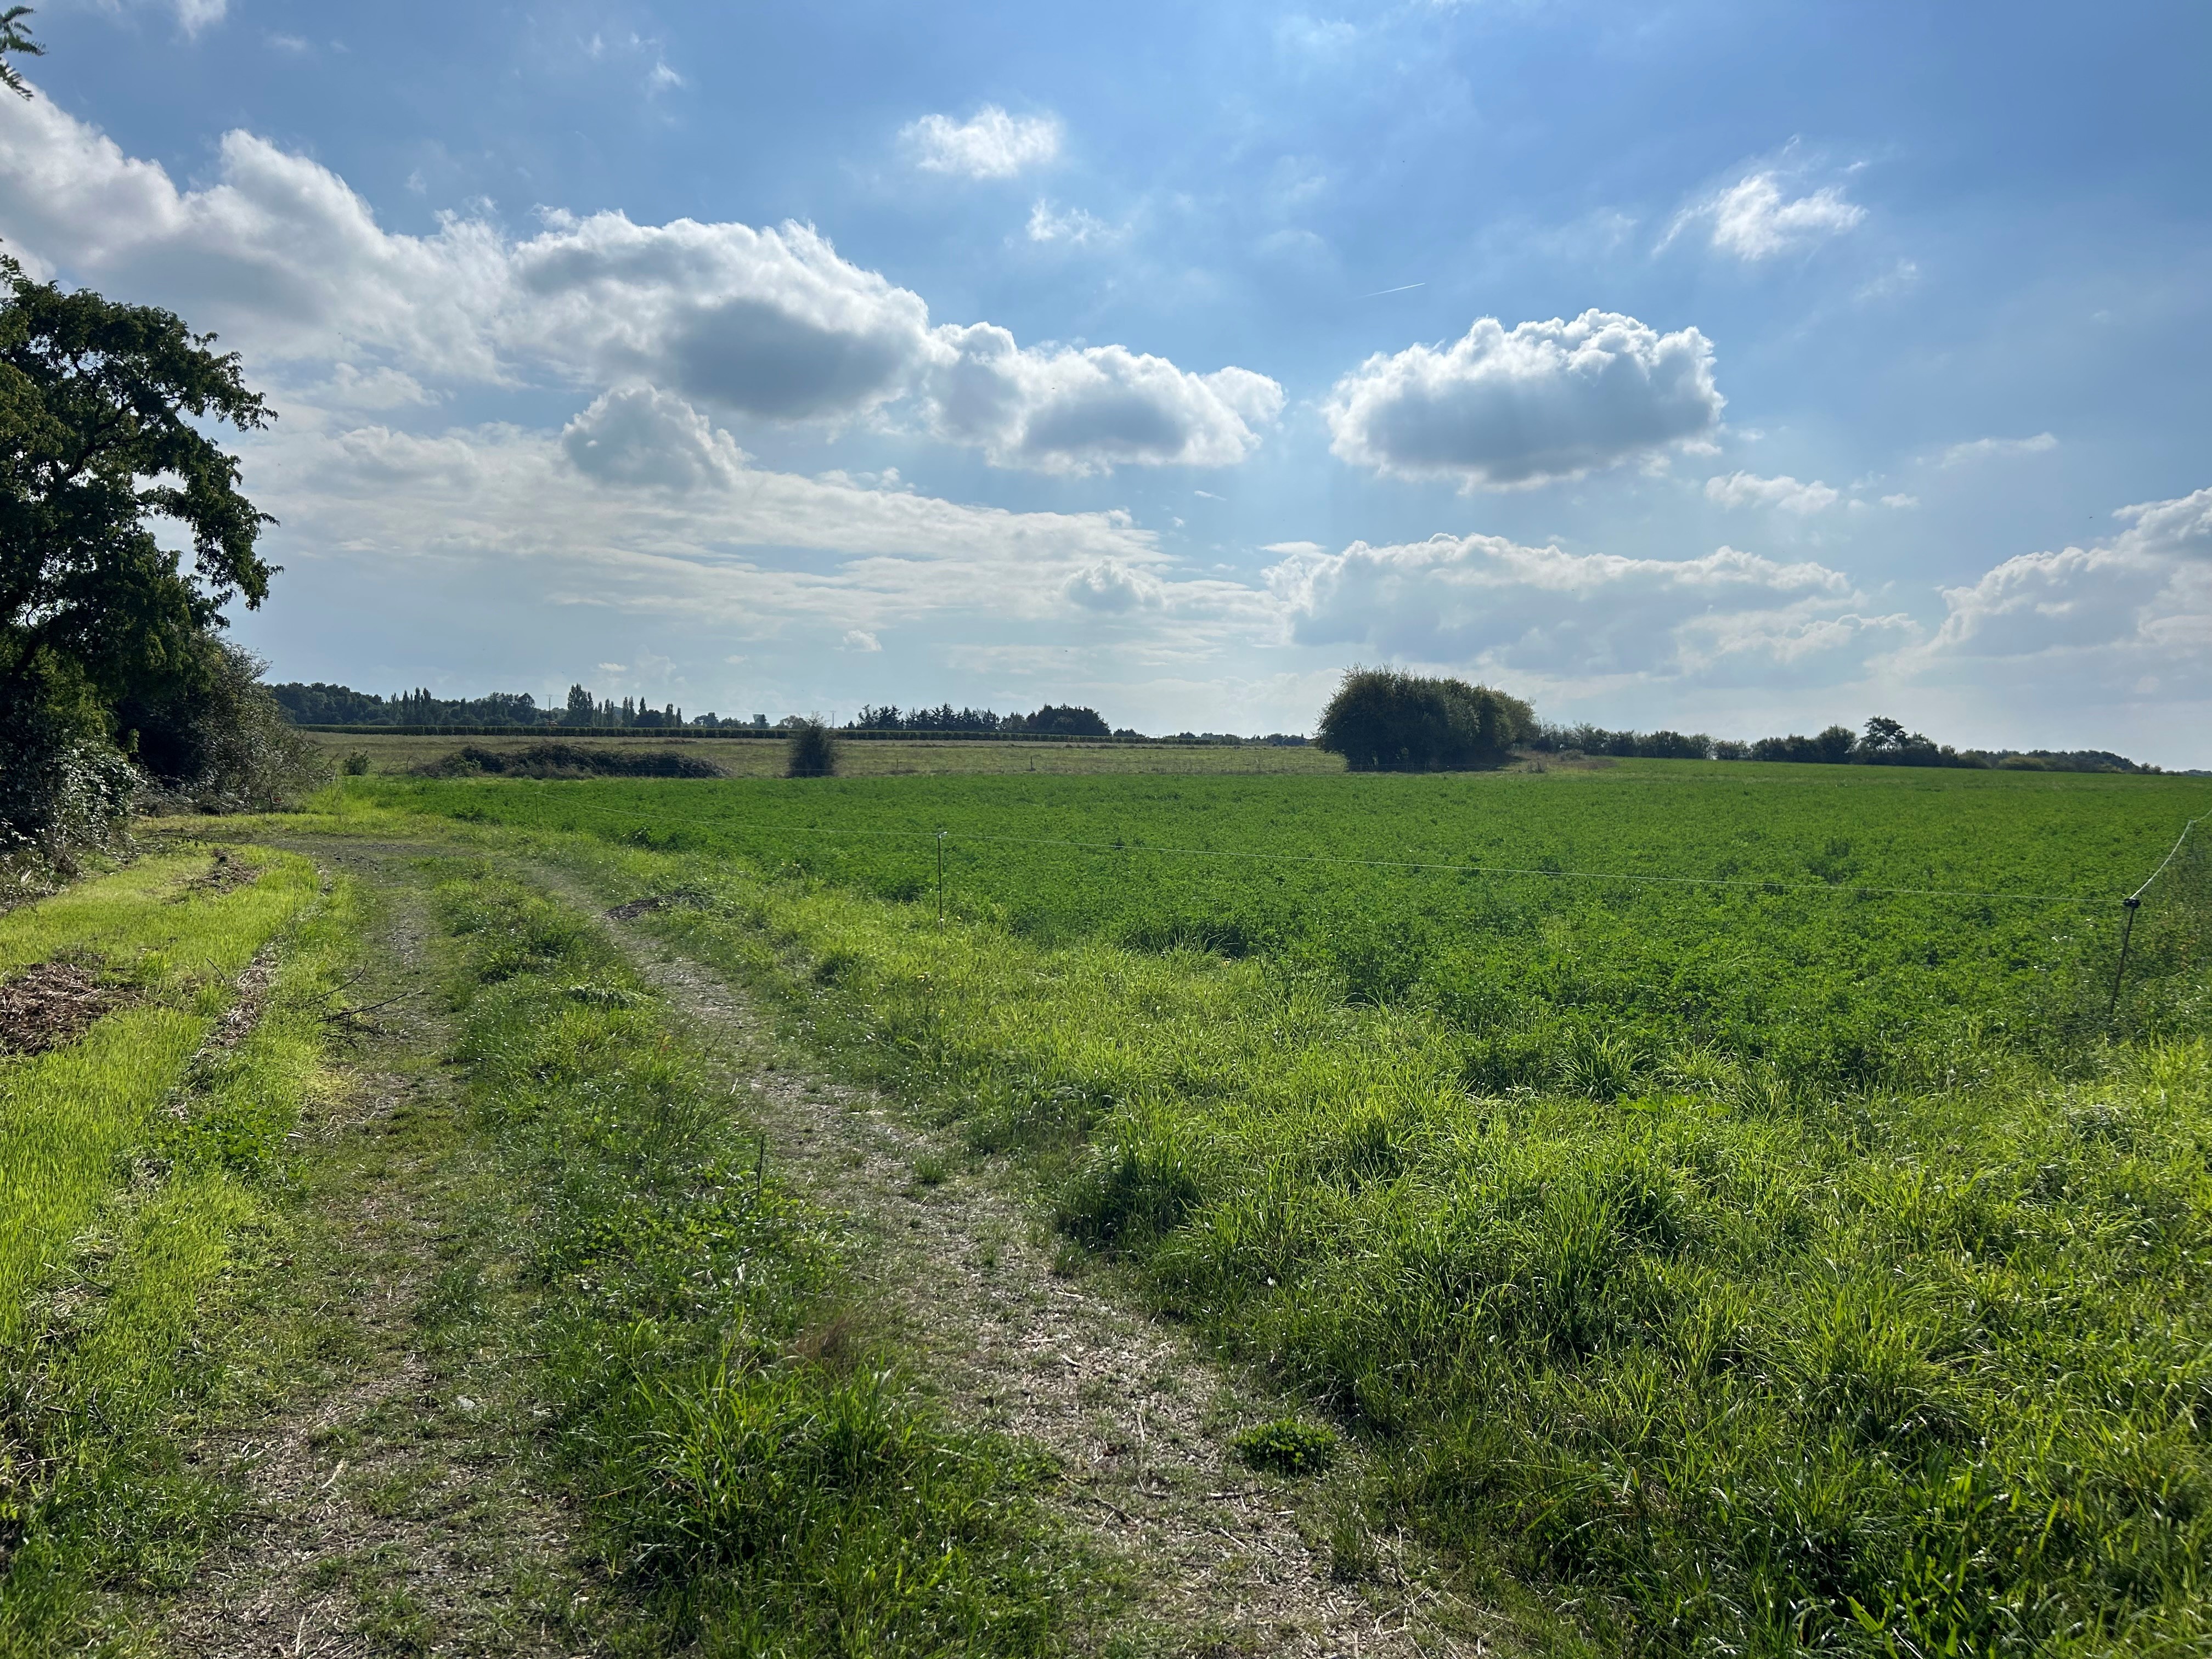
1402, 288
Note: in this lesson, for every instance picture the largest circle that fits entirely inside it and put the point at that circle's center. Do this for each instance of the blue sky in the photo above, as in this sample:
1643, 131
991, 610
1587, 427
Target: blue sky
1714, 366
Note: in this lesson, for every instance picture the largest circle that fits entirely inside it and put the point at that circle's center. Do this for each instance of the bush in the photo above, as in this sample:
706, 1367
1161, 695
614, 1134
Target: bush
61, 791
1382, 720
812, 752
212, 739
1286, 1446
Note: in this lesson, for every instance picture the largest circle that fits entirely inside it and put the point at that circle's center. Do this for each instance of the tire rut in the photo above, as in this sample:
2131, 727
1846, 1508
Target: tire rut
965, 1273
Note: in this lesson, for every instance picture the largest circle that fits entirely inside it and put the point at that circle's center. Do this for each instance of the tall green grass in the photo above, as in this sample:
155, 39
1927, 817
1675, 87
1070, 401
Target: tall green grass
1713, 1359
760, 1481
133, 1230
70, 1116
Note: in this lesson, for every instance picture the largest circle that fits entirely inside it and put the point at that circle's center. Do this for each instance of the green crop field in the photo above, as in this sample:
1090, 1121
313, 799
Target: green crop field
1765, 920
1782, 1253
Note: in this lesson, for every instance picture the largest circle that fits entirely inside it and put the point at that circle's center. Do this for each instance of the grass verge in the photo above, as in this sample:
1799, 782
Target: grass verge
1711, 1366
759, 1479
147, 1174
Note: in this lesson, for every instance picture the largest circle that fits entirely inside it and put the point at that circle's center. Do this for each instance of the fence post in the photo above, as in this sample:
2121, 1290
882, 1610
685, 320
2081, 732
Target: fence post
940, 878
2127, 931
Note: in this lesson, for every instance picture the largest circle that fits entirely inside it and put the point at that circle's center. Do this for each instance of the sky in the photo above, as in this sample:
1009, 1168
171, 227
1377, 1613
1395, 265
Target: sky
1718, 366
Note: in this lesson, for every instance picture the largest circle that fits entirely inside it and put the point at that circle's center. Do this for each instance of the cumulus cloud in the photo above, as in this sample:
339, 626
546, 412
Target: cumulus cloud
1500, 409
193, 15
1984, 449
1081, 411
860, 639
1756, 219
1901, 502
990, 145
1541, 611
1785, 493
1113, 586
639, 435
2132, 610
285, 261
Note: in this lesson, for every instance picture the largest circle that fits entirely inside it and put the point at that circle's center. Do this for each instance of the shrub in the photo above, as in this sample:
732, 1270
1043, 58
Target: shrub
1382, 720
212, 739
1287, 1446
812, 753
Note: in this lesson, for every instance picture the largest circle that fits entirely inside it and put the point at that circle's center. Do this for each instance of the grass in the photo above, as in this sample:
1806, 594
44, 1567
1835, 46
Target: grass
756, 1486
1706, 1356
67, 1116
132, 1230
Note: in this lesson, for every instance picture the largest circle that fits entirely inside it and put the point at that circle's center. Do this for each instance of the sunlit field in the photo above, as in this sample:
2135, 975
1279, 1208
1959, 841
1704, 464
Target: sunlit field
1800, 1263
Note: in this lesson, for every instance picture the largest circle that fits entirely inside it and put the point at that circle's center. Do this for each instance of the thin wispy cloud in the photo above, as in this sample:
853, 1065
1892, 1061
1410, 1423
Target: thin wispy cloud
1986, 449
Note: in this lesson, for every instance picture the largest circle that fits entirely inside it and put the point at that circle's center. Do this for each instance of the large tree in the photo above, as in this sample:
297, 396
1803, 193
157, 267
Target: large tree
123, 530
1383, 720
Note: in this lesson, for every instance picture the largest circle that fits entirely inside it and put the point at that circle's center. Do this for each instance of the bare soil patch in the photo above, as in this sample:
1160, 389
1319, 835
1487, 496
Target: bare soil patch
225, 872
51, 1006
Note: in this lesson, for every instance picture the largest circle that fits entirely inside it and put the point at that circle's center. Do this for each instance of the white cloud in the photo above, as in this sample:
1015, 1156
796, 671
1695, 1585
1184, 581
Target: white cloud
1983, 449
661, 78
1785, 493
2130, 613
1901, 502
1754, 218
1499, 408
990, 145
642, 505
639, 435
1489, 602
193, 15
1084, 409
1075, 227
1111, 586
286, 262
860, 639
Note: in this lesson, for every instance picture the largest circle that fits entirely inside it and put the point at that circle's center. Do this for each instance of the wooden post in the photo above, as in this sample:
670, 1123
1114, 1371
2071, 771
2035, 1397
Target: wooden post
940, 878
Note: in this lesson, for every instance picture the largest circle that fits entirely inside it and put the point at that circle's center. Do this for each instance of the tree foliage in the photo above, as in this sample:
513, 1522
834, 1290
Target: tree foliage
1383, 720
109, 631
15, 40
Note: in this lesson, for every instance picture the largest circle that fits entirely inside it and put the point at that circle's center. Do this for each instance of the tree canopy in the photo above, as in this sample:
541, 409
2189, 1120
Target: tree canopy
1383, 720
99, 449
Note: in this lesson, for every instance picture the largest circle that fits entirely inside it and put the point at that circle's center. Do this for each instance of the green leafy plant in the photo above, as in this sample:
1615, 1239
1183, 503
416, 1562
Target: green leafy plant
1286, 1446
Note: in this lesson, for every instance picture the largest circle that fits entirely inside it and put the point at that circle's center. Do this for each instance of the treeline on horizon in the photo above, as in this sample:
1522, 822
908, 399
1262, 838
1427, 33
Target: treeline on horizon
1883, 742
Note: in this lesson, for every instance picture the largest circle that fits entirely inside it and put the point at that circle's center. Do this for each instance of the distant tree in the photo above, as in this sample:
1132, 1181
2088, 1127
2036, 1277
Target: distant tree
1382, 720
812, 750
15, 39
581, 708
1066, 721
